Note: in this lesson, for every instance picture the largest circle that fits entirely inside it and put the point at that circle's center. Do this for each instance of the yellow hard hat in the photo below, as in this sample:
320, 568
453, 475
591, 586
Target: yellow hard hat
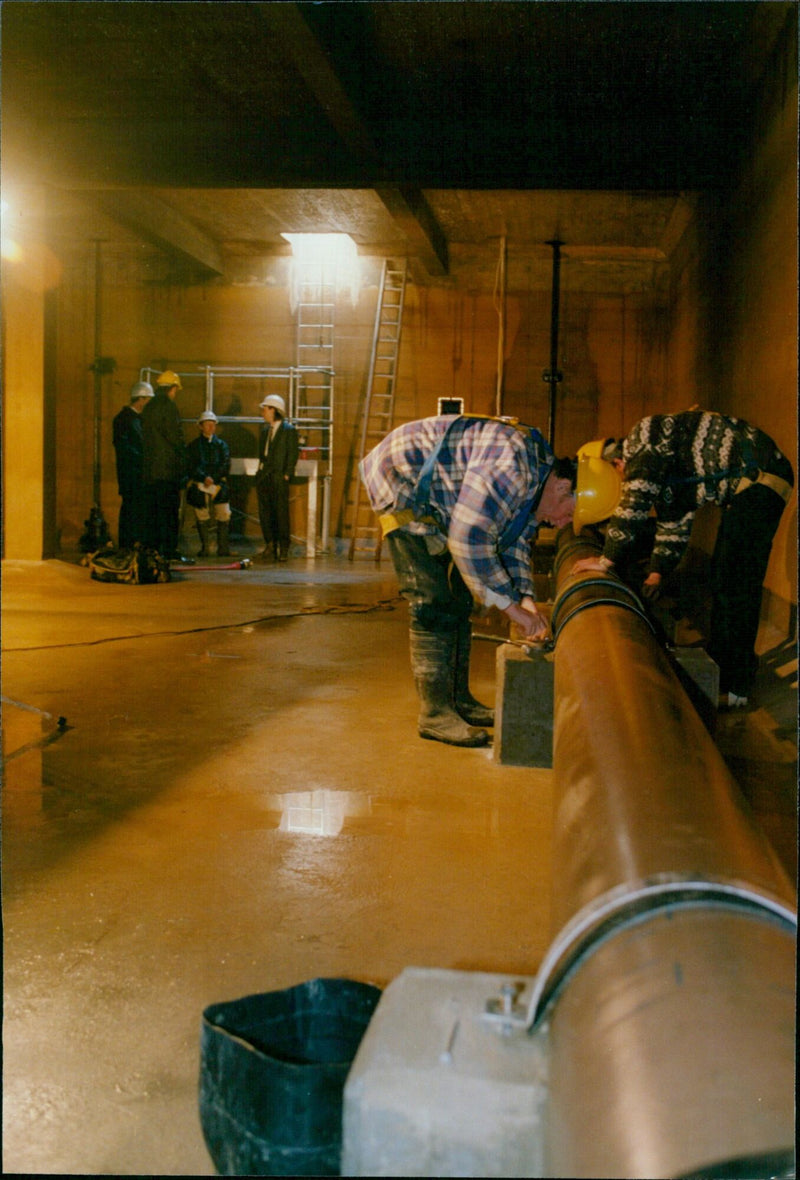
169, 378
597, 492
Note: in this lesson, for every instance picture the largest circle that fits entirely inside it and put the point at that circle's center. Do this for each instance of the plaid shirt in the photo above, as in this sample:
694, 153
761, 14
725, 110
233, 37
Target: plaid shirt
486, 473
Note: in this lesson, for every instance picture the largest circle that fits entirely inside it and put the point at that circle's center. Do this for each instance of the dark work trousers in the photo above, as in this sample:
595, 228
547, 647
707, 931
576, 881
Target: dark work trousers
273, 509
438, 598
738, 567
132, 517
163, 504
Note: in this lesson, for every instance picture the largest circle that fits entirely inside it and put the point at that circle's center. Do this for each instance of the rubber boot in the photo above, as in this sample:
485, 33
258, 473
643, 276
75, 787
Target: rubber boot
202, 528
432, 663
223, 545
472, 711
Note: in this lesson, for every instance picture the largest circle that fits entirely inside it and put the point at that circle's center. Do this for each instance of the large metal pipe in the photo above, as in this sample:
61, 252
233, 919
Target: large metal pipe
668, 990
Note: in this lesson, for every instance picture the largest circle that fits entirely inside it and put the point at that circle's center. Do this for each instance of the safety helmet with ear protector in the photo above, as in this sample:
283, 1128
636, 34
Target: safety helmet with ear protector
597, 492
598, 448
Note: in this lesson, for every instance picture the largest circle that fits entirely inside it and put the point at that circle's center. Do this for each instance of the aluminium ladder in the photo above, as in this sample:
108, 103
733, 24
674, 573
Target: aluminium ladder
312, 409
379, 402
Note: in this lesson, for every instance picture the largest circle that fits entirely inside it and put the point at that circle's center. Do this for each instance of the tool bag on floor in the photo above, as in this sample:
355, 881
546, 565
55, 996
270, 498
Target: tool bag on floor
134, 567
272, 1074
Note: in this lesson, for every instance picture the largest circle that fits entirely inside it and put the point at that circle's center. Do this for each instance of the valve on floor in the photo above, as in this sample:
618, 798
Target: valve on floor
97, 534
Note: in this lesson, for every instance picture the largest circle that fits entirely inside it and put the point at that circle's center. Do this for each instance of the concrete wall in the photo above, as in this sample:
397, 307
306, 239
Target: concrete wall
733, 344
753, 333
612, 355
27, 273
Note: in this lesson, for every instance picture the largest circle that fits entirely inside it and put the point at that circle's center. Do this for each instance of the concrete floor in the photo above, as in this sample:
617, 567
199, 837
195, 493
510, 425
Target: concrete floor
237, 801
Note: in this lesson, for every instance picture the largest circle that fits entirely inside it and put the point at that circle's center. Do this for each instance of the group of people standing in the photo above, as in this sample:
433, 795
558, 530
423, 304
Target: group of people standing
154, 465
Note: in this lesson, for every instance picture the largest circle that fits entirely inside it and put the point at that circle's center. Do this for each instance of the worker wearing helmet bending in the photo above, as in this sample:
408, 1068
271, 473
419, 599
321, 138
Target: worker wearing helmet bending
460, 500
672, 464
164, 467
278, 451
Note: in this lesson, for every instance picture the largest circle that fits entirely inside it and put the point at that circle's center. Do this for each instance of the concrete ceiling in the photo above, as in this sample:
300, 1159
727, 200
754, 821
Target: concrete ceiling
431, 128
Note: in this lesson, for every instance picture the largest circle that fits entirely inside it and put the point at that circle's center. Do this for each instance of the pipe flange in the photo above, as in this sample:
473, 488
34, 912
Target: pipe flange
631, 902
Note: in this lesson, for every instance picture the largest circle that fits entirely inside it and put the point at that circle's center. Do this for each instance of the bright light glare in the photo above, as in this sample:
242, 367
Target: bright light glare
10, 250
322, 249
323, 259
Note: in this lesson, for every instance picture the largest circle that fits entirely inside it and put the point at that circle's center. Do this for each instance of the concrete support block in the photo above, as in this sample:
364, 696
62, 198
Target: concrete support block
523, 725
437, 1091
699, 676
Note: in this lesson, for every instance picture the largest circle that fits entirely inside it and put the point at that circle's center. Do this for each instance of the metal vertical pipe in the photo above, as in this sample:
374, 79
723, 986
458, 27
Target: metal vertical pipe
552, 376
500, 307
98, 376
668, 991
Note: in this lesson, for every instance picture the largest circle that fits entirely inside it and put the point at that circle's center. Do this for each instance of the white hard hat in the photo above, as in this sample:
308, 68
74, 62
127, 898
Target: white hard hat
275, 400
208, 416
141, 389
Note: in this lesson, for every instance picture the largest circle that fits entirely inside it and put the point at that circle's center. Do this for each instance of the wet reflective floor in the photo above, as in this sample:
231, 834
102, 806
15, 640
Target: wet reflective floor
214, 788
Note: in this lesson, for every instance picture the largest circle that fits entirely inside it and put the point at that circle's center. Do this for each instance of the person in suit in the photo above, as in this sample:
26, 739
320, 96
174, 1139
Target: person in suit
128, 445
278, 450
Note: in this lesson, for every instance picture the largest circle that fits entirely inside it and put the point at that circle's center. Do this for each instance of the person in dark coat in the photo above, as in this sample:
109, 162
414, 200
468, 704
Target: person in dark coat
671, 464
164, 467
278, 451
209, 460
129, 447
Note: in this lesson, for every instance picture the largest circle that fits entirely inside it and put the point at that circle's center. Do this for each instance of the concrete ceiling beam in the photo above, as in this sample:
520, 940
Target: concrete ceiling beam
299, 42
413, 215
407, 206
158, 223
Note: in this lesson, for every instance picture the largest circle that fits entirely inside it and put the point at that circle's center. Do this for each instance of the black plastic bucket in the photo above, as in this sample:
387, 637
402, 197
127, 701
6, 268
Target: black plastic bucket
272, 1072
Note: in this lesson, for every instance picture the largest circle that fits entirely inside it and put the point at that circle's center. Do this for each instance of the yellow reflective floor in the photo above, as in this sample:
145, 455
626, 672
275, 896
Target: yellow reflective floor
215, 787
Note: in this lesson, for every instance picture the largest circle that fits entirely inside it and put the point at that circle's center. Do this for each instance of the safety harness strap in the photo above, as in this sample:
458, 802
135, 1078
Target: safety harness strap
781, 486
748, 474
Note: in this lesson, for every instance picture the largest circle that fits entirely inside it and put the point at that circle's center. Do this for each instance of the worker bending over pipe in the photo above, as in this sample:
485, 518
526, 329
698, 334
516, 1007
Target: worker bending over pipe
671, 464
460, 499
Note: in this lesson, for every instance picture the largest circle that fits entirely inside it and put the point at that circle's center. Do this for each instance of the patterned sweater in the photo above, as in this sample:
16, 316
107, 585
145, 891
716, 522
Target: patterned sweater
486, 474
673, 464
